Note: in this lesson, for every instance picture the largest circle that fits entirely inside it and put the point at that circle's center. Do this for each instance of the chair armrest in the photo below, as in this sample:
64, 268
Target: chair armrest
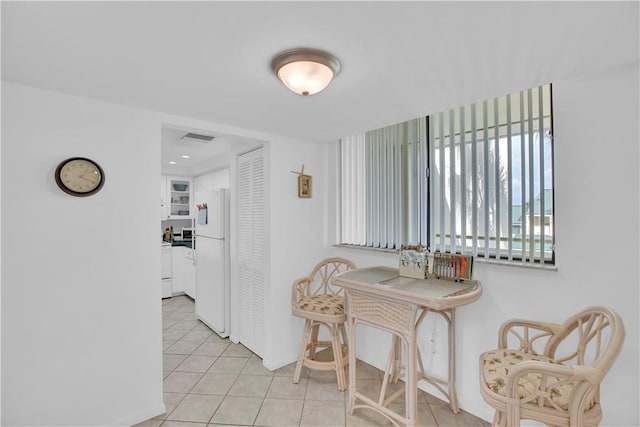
528, 333
555, 372
550, 385
542, 377
300, 288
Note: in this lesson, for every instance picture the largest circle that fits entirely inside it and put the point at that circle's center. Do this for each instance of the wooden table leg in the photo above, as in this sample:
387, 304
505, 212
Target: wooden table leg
352, 364
411, 380
453, 397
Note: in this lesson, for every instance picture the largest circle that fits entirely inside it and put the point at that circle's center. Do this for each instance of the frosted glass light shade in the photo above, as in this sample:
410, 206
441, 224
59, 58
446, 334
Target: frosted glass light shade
305, 71
305, 77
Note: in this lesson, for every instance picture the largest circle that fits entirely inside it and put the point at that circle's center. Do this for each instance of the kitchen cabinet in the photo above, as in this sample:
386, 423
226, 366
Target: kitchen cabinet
189, 272
167, 271
177, 257
183, 271
178, 197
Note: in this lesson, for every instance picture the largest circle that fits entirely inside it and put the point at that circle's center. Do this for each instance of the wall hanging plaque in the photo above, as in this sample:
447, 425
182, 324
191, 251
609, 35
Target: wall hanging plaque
304, 184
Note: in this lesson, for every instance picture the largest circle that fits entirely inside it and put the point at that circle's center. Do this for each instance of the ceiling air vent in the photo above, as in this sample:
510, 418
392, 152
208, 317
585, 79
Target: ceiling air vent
202, 138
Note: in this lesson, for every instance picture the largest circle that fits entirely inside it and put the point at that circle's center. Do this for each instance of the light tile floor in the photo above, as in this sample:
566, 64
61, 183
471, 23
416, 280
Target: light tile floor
210, 381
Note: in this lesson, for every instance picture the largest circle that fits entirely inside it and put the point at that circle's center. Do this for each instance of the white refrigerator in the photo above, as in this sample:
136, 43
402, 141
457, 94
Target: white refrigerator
212, 260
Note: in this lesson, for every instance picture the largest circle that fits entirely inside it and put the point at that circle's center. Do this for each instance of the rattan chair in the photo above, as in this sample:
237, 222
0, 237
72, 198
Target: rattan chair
314, 299
553, 372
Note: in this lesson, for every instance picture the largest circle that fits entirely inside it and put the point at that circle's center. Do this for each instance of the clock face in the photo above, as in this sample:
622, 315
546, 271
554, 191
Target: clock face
79, 176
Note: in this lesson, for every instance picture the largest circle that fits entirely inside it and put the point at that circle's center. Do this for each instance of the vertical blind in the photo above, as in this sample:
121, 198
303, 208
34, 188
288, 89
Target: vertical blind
382, 186
353, 191
476, 179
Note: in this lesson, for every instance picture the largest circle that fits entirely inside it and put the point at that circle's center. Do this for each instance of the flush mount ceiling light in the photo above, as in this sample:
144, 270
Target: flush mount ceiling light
305, 71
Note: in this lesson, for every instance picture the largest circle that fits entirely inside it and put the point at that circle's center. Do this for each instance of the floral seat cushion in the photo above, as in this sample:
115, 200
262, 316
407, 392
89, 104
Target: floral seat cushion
497, 363
322, 304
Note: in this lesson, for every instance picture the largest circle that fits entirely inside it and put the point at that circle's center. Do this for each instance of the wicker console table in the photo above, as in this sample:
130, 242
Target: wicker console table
380, 298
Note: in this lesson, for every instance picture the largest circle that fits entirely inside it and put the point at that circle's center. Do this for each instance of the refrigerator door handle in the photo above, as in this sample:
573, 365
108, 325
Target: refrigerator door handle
210, 237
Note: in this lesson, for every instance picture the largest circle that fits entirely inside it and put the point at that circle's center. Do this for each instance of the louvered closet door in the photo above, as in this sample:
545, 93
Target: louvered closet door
251, 251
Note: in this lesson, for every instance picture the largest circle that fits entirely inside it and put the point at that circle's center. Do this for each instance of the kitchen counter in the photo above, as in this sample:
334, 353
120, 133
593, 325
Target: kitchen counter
187, 243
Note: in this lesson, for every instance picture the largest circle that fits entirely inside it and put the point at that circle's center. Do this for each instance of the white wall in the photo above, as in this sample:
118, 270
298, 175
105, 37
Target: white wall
212, 180
81, 333
81, 306
596, 206
297, 238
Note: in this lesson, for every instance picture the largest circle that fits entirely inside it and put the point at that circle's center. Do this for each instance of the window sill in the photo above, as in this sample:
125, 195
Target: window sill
536, 266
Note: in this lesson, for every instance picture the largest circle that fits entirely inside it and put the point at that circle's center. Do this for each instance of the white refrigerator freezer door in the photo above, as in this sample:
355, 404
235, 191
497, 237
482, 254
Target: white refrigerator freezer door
210, 286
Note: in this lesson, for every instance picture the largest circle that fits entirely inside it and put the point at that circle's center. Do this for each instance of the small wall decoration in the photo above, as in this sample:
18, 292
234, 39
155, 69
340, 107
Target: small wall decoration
304, 184
79, 176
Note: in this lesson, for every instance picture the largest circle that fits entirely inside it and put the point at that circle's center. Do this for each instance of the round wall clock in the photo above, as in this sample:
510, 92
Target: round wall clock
79, 176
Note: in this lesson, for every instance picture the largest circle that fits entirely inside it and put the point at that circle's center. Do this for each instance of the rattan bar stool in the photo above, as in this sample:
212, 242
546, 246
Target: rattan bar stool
314, 299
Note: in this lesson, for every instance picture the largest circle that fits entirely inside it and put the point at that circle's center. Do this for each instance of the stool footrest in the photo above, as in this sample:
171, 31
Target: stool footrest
329, 365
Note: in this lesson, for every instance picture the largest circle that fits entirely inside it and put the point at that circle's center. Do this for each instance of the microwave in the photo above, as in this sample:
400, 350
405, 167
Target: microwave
188, 233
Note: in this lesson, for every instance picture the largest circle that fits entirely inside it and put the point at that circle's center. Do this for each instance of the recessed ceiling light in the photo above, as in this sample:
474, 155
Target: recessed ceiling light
172, 163
185, 156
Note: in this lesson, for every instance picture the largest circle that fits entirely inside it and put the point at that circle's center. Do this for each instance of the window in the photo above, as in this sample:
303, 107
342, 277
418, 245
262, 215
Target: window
476, 179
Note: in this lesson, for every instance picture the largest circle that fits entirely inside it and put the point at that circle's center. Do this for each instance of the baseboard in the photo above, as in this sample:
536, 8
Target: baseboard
139, 417
222, 334
272, 365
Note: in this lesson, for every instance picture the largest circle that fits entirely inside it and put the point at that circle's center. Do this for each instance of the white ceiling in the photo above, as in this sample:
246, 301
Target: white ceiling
200, 153
211, 60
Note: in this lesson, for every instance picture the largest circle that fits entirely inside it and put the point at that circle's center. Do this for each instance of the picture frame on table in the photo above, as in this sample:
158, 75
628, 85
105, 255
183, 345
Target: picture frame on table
452, 266
466, 266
